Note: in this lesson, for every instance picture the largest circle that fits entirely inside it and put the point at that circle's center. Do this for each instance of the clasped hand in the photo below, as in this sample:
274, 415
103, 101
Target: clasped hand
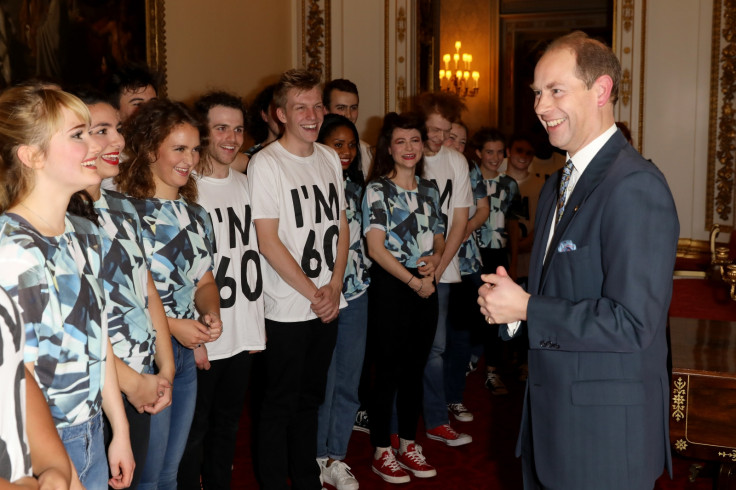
326, 302
501, 300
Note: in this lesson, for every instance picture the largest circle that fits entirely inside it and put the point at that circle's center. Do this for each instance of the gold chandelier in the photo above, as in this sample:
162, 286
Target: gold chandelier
458, 81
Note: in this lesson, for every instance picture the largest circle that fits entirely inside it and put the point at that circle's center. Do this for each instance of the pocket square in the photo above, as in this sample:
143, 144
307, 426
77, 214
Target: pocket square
566, 246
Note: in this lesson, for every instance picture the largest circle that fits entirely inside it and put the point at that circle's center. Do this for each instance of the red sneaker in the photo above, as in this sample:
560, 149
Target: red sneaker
448, 435
413, 461
387, 468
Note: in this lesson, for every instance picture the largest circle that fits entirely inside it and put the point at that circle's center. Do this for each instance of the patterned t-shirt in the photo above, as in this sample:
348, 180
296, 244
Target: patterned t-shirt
55, 282
469, 253
410, 219
126, 280
356, 272
503, 194
15, 458
177, 241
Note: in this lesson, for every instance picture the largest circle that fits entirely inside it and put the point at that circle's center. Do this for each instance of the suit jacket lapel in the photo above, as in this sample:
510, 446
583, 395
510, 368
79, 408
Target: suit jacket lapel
593, 175
542, 223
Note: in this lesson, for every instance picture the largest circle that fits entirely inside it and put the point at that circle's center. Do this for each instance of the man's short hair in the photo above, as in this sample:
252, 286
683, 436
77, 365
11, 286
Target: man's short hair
485, 135
593, 59
130, 77
447, 105
204, 104
520, 137
301, 80
341, 84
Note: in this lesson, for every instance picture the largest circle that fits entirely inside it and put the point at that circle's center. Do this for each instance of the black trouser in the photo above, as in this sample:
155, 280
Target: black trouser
295, 369
401, 328
211, 444
139, 428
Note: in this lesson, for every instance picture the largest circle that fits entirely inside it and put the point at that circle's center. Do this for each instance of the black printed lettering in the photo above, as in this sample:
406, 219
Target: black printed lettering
297, 208
330, 209
235, 226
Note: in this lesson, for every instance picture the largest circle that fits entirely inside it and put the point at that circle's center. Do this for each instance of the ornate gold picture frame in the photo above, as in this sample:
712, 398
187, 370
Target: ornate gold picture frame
78, 42
722, 118
156, 40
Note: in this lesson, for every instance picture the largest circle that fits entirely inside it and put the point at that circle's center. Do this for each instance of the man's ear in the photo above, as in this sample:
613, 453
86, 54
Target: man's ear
281, 114
603, 86
477, 152
30, 156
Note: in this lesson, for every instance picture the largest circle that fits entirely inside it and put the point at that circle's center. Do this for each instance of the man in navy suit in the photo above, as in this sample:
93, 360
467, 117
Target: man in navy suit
596, 409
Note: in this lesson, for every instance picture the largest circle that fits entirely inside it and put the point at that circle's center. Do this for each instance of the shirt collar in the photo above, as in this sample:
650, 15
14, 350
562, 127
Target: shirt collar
582, 159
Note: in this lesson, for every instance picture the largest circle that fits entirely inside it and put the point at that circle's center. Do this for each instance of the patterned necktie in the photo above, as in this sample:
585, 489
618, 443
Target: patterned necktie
563, 189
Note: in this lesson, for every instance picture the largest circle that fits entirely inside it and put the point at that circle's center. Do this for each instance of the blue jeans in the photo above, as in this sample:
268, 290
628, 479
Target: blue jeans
85, 444
170, 427
337, 413
464, 318
435, 405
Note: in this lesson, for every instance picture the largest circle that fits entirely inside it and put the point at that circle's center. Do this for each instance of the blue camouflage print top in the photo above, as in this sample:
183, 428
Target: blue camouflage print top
125, 273
177, 241
356, 278
55, 281
469, 253
503, 194
410, 219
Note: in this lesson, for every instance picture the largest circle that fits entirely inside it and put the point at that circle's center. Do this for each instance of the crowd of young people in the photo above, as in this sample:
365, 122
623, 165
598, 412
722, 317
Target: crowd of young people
148, 257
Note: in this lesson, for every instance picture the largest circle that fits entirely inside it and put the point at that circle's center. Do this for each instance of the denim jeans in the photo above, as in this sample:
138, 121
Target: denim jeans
464, 317
435, 405
85, 444
337, 413
170, 427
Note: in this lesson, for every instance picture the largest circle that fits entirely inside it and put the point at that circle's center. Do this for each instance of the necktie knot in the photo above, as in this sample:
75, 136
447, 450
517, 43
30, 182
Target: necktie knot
564, 181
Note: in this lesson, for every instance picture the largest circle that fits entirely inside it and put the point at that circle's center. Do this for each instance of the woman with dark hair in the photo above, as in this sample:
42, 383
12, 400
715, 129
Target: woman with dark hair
137, 323
51, 260
262, 125
163, 144
337, 412
404, 232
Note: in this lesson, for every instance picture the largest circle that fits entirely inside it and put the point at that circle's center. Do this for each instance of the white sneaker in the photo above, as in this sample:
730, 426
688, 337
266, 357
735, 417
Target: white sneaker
338, 475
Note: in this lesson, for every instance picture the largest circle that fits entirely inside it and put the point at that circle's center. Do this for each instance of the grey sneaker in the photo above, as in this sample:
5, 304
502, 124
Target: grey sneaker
460, 413
361, 422
494, 383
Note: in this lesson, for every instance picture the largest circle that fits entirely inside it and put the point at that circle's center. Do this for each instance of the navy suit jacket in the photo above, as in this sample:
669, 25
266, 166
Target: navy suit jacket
597, 400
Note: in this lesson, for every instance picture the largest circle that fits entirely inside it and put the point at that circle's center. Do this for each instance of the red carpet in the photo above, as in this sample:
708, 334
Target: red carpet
486, 463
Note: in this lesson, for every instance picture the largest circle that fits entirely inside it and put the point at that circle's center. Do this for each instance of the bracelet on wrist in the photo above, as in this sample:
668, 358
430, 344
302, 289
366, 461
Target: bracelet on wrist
410, 279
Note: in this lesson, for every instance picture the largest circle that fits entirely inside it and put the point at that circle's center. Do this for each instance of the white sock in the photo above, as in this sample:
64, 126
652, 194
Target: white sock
403, 445
379, 452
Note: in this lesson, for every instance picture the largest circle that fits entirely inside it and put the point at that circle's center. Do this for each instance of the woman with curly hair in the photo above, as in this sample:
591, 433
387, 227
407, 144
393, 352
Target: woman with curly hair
163, 147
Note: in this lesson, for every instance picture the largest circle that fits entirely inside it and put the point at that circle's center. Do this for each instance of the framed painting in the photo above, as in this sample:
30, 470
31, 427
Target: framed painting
77, 42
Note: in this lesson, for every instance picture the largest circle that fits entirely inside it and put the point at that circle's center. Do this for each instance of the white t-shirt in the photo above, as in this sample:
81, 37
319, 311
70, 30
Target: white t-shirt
449, 170
15, 462
237, 265
306, 195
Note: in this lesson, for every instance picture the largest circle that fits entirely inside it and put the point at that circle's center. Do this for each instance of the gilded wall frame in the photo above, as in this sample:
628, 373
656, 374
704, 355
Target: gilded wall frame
156, 40
722, 118
79, 42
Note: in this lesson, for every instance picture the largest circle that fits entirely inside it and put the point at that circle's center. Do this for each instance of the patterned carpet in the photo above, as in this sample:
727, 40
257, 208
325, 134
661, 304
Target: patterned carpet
487, 463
